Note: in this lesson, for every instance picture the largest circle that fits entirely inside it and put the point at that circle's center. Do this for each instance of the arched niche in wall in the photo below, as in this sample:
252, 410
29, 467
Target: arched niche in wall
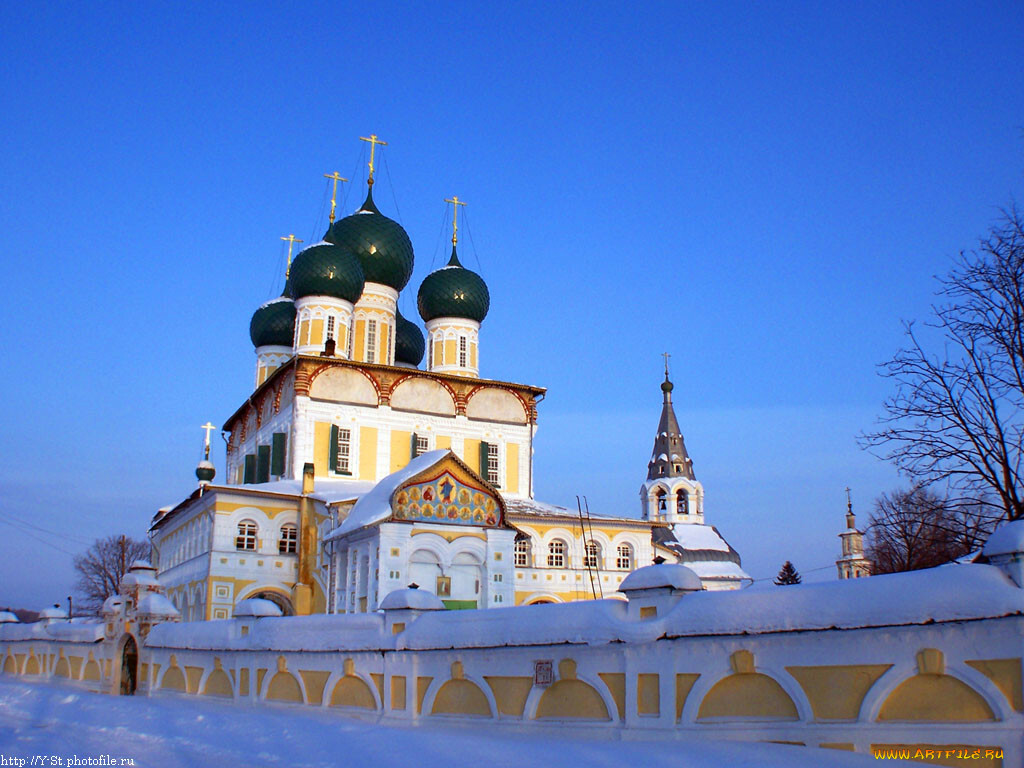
495, 404
343, 385
422, 395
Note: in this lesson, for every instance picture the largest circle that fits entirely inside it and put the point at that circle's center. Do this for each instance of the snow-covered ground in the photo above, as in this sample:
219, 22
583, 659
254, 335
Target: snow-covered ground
54, 721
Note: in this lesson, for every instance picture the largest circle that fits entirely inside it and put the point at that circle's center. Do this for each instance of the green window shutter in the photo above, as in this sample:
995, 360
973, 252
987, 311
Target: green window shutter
483, 459
332, 450
250, 469
277, 454
263, 464
412, 448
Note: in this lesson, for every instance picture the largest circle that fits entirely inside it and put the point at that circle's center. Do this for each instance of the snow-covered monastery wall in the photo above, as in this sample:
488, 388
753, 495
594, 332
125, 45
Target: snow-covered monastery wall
925, 658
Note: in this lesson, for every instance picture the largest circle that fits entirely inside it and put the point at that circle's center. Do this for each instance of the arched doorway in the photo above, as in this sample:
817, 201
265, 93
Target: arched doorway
281, 602
129, 667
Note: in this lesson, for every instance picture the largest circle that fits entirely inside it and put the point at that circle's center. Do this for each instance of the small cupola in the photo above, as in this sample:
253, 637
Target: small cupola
653, 590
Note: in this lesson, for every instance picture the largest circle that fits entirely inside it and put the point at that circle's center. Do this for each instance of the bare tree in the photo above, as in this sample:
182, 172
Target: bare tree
916, 528
101, 567
958, 413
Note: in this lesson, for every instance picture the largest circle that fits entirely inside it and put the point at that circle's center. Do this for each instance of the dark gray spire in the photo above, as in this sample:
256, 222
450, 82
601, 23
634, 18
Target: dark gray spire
669, 458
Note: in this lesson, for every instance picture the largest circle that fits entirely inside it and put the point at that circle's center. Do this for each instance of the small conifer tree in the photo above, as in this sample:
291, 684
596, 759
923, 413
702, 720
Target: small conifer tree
787, 574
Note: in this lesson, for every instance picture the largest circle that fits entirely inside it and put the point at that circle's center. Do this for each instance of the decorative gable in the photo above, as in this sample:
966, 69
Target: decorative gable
448, 492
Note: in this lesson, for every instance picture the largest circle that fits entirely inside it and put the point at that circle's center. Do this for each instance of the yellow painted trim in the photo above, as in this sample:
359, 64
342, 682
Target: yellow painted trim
321, 448
1006, 674
837, 692
684, 684
218, 684
648, 694
401, 449
935, 698
316, 332
351, 691
397, 692
750, 695
460, 697
510, 693
359, 347
449, 537
449, 352
512, 467
367, 453
616, 682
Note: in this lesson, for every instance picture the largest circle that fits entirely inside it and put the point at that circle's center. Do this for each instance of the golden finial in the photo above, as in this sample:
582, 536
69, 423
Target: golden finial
334, 192
206, 443
455, 217
374, 141
292, 240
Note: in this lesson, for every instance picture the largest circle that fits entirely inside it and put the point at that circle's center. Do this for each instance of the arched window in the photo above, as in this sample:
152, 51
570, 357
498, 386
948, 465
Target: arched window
556, 554
246, 539
624, 559
682, 502
522, 553
592, 558
288, 544
659, 496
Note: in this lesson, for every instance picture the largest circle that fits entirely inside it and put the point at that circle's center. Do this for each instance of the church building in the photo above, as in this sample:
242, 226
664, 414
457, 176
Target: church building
351, 471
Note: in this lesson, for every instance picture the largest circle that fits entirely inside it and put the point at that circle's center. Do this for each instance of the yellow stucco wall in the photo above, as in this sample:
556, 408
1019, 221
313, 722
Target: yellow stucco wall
359, 345
401, 449
367, 453
512, 467
471, 454
321, 448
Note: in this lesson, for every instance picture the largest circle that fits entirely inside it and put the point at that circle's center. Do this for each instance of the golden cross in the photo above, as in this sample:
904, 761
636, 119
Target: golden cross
334, 192
455, 216
849, 503
206, 443
374, 141
292, 240
666, 355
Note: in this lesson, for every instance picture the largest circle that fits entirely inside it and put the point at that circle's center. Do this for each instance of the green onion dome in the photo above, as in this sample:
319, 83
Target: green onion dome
409, 342
273, 324
453, 291
326, 269
381, 245
205, 471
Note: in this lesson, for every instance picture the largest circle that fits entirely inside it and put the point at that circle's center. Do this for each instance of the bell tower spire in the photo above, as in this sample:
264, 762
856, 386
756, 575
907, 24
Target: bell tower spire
669, 457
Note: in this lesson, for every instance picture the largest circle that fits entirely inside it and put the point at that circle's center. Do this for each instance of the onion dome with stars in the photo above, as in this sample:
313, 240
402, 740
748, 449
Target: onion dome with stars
273, 324
409, 343
453, 291
380, 244
326, 269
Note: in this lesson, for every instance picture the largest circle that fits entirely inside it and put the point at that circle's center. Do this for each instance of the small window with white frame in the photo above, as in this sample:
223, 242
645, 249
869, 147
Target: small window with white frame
624, 558
422, 444
462, 352
371, 341
492, 463
246, 538
522, 553
330, 327
592, 558
288, 544
556, 554
344, 451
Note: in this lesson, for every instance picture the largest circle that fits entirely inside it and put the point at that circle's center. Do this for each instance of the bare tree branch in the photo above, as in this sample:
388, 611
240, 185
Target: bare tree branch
957, 415
101, 567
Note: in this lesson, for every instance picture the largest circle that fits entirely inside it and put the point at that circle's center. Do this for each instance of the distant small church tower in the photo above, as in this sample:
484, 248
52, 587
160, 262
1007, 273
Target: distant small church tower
852, 564
671, 493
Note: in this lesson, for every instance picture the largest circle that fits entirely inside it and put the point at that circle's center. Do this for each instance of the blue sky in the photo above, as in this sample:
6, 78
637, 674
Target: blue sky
764, 191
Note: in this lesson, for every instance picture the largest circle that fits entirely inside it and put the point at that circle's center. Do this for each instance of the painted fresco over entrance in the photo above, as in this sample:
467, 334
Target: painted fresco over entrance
446, 499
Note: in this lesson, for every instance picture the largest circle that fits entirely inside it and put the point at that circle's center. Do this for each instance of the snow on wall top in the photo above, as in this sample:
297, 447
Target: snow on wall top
950, 593
375, 506
694, 536
1007, 539
663, 575
364, 631
718, 569
38, 630
541, 508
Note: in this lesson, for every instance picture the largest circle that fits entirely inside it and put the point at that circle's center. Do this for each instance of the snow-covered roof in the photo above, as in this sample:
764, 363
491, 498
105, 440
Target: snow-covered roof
112, 604
139, 578
952, 593
375, 506
523, 506
416, 599
695, 536
155, 604
718, 569
256, 607
329, 490
1007, 539
662, 576
142, 565
6, 617
53, 613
